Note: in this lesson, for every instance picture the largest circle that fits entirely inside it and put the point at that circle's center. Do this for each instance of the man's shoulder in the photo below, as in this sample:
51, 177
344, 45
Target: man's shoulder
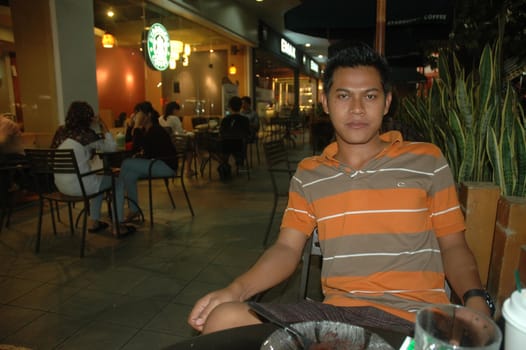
419, 148
311, 163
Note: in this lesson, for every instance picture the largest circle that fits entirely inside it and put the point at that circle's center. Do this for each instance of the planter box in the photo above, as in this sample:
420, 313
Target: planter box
479, 204
510, 236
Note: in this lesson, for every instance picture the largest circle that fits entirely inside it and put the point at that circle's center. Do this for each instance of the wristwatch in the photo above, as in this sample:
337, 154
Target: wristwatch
480, 293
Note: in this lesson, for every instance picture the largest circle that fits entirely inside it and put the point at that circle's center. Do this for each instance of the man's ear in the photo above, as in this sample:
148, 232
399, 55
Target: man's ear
324, 102
388, 100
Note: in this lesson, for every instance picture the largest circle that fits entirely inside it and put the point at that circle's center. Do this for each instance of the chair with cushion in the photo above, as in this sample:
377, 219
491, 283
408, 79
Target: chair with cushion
277, 163
44, 164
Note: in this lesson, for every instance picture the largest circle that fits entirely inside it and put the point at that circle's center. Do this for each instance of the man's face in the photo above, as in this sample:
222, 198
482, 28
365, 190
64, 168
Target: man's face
356, 104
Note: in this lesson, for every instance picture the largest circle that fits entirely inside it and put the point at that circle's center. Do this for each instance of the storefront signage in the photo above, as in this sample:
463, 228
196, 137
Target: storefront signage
157, 47
314, 66
288, 49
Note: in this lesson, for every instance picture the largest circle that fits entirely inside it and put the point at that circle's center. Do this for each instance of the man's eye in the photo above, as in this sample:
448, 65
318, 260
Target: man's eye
370, 97
342, 96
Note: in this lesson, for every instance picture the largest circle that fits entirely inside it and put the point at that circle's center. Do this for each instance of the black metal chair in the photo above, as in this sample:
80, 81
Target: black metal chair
180, 159
7, 172
312, 247
277, 163
237, 147
44, 164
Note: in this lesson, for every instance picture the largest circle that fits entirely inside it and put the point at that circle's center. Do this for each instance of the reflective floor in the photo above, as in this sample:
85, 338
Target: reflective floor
134, 293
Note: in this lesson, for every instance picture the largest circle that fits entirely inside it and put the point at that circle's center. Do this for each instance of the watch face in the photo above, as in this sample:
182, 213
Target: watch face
490, 303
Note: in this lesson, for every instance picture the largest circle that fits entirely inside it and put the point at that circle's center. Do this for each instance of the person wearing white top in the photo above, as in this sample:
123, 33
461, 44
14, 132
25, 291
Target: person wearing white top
171, 120
78, 135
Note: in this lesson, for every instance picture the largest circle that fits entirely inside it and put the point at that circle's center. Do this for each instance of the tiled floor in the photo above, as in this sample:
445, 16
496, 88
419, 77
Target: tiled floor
133, 293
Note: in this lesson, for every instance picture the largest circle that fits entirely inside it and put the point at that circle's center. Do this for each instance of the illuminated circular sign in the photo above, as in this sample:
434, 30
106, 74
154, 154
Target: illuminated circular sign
157, 47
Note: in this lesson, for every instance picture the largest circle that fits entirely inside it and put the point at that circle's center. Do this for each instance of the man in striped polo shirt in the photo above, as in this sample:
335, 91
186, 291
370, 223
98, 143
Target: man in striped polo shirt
387, 214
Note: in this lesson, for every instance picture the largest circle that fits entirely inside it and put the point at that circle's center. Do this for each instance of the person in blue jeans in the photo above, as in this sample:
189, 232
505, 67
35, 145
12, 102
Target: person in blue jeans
150, 140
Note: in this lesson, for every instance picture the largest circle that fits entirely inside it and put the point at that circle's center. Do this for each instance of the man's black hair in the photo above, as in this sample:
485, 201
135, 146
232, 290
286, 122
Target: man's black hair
357, 54
235, 103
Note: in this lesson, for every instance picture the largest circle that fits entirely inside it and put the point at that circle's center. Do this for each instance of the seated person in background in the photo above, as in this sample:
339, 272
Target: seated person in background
78, 134
135, 119
150, 141
171, 120
12, 152
388, 218
253, 118
234, 127
11, 146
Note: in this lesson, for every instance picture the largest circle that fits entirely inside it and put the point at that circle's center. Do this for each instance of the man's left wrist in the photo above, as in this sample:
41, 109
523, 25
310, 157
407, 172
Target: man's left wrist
482, 295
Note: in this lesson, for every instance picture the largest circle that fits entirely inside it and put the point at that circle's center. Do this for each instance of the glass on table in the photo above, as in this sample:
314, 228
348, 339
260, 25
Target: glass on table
455, 327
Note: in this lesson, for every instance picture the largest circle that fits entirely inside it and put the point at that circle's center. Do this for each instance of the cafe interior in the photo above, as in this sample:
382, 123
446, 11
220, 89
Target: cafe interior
135, 292
207, 64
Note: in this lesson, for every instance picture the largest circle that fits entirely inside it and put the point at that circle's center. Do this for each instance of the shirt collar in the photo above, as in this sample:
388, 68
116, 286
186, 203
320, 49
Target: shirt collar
393, 137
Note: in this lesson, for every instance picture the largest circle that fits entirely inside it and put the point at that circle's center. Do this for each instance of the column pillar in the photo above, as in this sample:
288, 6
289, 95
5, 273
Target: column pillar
55, 51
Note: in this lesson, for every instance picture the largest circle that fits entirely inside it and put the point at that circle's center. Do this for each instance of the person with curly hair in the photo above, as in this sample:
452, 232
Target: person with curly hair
78, 134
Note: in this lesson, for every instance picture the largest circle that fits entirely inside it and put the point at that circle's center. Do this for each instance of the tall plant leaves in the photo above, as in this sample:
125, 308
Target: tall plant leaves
479, 127
520, 135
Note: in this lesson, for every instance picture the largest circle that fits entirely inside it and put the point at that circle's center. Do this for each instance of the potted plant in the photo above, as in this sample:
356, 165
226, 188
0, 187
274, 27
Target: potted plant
480, 127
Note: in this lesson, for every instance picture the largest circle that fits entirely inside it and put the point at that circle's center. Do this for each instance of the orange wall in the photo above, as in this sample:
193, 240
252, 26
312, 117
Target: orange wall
120, 79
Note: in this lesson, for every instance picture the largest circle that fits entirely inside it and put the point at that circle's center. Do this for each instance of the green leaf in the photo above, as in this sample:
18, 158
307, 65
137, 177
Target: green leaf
456, 128
507, 155
520, 135
487, 78
468, 160
464, 104
495, 158
507, 115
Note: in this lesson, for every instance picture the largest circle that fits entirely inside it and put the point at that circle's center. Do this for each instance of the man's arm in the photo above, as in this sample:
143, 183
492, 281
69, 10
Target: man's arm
275, 265
461, 269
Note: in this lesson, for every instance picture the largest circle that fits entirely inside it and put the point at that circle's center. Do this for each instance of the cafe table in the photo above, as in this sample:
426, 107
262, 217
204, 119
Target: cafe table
251, 338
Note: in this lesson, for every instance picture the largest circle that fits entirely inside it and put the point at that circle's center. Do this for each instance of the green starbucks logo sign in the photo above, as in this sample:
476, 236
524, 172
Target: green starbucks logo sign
157, 47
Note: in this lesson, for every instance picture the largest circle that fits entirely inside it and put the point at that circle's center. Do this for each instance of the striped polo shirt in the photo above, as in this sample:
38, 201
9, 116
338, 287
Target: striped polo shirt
378, 225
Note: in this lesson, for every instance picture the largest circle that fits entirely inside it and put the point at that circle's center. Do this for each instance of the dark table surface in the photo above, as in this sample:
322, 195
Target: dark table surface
251, 338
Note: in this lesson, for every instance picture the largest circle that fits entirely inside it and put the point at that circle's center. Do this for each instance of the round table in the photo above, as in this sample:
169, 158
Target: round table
251, 338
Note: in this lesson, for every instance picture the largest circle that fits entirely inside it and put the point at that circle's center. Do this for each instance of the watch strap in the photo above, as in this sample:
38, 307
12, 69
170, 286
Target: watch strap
473, 293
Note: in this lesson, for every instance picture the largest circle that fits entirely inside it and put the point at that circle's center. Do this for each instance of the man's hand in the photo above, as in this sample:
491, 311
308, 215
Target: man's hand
478, 304
204, 306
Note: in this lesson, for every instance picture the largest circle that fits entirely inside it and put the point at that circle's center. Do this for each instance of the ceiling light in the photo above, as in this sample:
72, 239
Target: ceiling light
187, 49
110, 13
307, 45
108, 40
232, 70
320, 56
259, 0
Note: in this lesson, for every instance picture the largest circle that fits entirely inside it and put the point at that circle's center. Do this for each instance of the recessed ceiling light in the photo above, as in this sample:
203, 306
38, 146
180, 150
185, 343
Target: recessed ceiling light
110, 13
307, 45
320, 56
259, 0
